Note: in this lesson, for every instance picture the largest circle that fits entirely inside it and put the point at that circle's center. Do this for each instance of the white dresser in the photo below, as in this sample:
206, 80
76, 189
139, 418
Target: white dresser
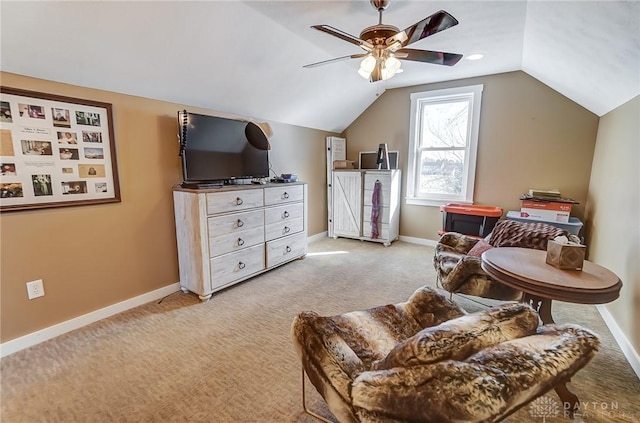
353, 204
229, 234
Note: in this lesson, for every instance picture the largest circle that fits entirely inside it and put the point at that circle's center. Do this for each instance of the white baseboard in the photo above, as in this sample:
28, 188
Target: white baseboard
627, 348
45, 334
419, 241
409, 239
317, 237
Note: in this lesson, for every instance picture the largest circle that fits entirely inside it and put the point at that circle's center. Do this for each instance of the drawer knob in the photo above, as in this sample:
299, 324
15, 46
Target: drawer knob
239, 201
240, 242
285, 214
288, 249
240, 223
286, 230
241, 265
285, 195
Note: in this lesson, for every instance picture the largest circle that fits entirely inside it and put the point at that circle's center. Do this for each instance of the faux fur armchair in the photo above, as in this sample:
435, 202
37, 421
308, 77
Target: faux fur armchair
426, 360
458, 264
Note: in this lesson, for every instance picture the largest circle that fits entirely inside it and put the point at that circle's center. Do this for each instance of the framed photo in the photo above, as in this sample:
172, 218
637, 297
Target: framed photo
55, 151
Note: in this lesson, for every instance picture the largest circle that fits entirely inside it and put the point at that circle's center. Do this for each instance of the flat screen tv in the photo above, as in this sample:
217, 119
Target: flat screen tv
221, 150
369, 160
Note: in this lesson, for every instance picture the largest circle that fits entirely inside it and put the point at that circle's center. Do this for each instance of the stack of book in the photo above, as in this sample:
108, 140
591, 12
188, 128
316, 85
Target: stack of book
551, 193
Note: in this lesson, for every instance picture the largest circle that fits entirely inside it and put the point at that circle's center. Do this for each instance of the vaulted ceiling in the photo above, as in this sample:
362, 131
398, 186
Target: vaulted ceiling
246, 57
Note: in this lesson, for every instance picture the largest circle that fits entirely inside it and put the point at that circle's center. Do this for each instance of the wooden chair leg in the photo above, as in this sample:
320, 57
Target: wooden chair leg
570, 402
304, 404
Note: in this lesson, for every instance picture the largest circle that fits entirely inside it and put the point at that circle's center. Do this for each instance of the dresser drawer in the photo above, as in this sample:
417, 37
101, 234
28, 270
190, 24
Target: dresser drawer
284, 213
280, 229
285, 249
383, 214
227, 243
231, 201
383, 198
383, 231
230, 223
234, 266
283, 194
371, 178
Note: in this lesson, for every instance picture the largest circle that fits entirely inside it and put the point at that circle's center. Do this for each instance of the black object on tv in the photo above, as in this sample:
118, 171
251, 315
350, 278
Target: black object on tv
217, 149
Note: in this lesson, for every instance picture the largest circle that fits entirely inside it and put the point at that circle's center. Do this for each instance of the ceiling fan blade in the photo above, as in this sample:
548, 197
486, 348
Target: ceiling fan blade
428, 56
433, 24
337, 59
344, 36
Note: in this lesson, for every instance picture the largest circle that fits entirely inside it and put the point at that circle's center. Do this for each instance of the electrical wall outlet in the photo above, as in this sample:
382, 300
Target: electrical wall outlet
35, 289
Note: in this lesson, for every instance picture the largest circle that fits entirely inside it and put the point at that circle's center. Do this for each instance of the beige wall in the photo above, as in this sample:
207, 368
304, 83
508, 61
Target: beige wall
91, 257
530, 137
613, 210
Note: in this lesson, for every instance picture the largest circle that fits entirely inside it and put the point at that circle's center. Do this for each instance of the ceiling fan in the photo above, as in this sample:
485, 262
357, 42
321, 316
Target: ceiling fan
385, 44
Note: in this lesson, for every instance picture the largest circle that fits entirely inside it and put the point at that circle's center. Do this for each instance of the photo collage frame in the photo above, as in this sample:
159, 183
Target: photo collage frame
55, 151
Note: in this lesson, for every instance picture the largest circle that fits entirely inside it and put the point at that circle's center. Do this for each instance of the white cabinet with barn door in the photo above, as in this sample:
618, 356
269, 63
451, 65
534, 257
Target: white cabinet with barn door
353, 205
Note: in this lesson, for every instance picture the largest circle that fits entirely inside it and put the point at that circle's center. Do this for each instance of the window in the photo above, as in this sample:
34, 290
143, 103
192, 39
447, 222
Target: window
443, 143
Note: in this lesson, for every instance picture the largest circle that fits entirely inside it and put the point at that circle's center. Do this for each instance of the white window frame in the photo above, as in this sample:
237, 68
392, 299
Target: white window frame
473, 94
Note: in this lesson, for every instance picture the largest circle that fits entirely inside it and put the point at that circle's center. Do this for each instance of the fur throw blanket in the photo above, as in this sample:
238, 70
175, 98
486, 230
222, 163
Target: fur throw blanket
426, 360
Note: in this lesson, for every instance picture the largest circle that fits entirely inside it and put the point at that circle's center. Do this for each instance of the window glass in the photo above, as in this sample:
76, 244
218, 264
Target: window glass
445, 124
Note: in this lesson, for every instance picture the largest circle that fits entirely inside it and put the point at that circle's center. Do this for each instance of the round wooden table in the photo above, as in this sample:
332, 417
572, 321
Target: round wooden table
525, 269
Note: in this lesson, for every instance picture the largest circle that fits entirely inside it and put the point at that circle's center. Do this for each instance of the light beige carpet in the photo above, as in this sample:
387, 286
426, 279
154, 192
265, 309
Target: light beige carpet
231, 359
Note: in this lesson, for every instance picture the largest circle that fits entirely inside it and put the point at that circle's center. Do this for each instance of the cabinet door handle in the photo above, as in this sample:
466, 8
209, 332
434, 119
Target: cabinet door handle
241, 265
285, 196
285, 214
240, 242
286, 230
239, 201
240, 223
288, 249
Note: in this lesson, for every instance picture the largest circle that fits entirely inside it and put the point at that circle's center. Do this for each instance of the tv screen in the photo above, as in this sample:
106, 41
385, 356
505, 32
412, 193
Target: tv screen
369, 160
217, 149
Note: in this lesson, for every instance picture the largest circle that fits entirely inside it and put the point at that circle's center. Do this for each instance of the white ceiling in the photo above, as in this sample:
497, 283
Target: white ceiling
246, 57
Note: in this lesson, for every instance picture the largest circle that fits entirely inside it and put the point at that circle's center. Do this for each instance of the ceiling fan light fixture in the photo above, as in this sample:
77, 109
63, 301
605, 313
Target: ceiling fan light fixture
390, 68
368, 63
364, 73
366, 66
392, 64
386, 74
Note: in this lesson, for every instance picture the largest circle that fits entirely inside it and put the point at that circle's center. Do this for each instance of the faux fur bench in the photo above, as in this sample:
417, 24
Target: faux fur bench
426, 360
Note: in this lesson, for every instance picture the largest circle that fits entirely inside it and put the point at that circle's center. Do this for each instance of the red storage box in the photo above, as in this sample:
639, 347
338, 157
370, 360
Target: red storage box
469, 219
